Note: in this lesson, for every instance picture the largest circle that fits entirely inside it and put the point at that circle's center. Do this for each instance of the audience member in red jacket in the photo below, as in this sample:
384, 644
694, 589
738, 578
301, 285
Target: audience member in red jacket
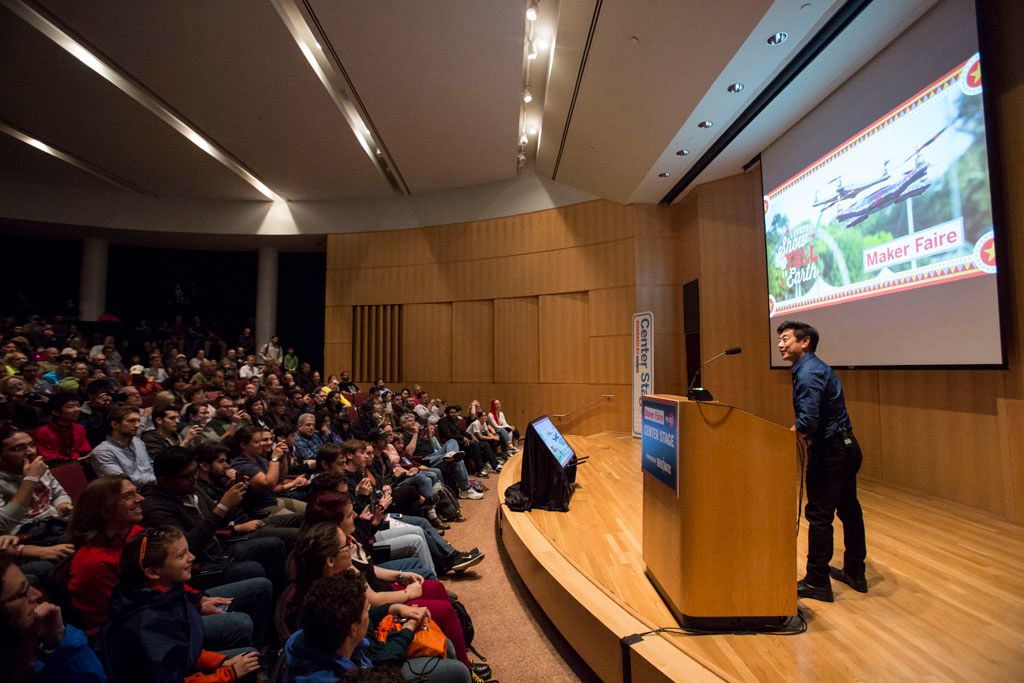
62, 438
106, 516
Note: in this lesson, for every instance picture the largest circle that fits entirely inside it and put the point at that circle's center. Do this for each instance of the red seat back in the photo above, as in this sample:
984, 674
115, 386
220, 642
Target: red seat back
72, 476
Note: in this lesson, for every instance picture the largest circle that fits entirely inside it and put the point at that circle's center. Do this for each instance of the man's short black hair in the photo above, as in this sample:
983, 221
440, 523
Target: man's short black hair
97, 387
161, 413
208, 451
333, 605
326, 481
172, 461
59, 400
800, 332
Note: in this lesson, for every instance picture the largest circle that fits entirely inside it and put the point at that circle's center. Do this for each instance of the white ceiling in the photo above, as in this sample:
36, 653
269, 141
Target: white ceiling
439, 83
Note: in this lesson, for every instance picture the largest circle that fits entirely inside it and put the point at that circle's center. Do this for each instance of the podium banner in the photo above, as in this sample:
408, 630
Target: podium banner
659, 445
643, 364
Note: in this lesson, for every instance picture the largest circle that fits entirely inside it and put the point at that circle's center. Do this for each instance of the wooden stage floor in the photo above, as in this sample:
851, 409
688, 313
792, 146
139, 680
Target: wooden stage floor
946, 598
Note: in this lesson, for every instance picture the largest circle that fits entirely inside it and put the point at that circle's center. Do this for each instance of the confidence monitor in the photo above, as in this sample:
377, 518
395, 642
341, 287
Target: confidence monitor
879, 228
549, 467
553, 440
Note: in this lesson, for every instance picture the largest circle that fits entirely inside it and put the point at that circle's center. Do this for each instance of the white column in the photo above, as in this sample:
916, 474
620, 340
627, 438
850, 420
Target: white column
92, 288
266, 296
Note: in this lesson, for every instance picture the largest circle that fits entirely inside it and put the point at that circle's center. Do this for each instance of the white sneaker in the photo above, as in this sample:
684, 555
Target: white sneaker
471, 494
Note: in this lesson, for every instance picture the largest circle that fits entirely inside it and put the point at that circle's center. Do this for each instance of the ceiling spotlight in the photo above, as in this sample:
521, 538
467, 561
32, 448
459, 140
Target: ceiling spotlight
531, 49
527, 95
705, 124
532, 11
735, 87
542, 43
779, 38
531, 129
682, 152
524, 139
664, 174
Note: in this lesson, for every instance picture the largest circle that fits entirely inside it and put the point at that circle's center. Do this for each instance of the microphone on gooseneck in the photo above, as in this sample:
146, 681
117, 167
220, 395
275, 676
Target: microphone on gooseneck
695, 393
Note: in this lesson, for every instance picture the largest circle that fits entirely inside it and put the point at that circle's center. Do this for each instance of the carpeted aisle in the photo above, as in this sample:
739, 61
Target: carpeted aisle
520, 643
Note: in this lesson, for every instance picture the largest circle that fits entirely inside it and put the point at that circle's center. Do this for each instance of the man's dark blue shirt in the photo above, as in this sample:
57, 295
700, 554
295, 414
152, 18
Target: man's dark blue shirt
818, 398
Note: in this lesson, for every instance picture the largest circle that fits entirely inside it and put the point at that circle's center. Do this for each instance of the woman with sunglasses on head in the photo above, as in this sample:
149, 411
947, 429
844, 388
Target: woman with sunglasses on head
155, 632
391, 586
323, 550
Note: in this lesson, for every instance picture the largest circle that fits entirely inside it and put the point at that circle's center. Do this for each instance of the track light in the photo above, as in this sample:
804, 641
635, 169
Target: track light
532, 11
524, 139
527, 95
532, 130
531, 49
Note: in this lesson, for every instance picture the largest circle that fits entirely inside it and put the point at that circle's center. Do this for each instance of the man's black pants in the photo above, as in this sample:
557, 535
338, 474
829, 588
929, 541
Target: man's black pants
832, 466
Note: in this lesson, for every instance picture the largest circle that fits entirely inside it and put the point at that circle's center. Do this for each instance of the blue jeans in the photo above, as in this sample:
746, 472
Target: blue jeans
408, 564
440, 549
450, 446
252, 598
408, 541
423, 483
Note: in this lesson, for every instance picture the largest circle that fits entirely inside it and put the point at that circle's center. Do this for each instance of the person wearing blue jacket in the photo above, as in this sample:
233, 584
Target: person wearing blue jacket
335, 618
35, 644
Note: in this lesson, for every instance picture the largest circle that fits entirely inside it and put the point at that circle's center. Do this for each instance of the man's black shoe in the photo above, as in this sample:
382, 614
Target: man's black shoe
806, 590
481, 670
859, 584
464, 561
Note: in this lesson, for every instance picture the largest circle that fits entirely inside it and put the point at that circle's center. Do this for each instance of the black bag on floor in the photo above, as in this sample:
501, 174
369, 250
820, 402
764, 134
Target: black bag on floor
447, 506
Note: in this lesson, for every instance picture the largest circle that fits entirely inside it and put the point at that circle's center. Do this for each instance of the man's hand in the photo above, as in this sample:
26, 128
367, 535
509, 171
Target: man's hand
232, 498
280, 448
9, 544
249, 527
49, 624
64, 509
367, 514
192, 434
414, 590
242, 416
385, 500
364, 487
209, 606
296, 482
36, 467
415, 427
51, 553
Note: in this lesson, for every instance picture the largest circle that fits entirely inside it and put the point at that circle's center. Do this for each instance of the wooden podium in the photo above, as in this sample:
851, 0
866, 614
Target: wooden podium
722, 553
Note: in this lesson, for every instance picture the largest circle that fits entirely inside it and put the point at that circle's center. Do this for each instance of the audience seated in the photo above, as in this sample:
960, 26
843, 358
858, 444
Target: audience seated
177, 501
215, 449
33, 506
155, 631
123, 452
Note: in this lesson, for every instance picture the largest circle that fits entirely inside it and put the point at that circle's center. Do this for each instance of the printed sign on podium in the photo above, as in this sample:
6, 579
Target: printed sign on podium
659, 444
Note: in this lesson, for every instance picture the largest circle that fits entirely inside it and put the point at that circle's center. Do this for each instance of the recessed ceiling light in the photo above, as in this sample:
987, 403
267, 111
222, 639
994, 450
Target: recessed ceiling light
664, 174
779, 38
532, 11
542, 43
735, 87
682, 152
527, 95
705, 124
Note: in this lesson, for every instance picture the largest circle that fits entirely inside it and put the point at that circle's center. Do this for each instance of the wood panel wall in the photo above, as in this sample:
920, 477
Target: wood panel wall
532, 309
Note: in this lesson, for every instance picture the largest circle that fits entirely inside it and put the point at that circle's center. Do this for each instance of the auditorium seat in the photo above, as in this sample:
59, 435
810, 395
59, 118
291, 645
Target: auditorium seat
72, 476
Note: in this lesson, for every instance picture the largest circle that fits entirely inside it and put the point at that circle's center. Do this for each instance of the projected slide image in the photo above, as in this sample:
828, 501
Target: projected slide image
903, 204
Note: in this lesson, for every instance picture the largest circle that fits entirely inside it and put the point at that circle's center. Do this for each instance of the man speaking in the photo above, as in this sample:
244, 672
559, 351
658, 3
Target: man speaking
833, 460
